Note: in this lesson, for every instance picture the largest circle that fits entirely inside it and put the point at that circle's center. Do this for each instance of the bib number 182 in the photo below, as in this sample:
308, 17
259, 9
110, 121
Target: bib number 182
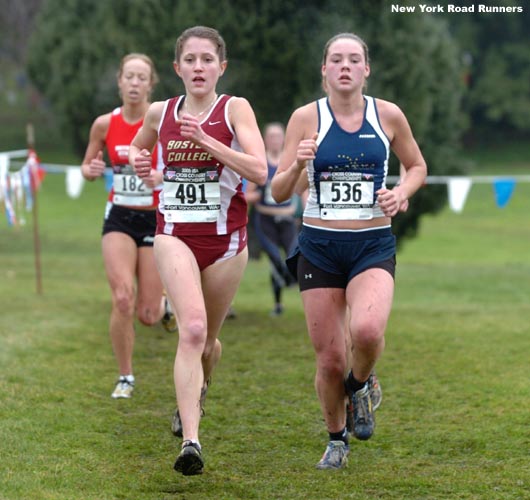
132, 183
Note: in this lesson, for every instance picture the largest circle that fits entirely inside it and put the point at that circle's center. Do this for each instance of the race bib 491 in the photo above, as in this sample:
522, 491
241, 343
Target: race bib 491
192, 195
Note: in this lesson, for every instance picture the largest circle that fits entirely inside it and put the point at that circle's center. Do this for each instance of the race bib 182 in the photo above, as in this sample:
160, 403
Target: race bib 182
129, 189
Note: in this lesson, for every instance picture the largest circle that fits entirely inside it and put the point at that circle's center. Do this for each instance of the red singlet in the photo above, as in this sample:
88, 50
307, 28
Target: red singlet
132, 192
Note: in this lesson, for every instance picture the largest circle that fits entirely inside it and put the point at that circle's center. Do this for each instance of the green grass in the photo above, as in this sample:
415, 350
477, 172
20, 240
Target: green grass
454, 419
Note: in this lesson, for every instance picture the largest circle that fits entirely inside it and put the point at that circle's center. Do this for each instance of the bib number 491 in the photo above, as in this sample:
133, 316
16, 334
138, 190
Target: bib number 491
191, 193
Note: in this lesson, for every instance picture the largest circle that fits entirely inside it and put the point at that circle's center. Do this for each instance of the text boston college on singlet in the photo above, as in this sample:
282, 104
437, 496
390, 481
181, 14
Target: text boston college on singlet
186, 155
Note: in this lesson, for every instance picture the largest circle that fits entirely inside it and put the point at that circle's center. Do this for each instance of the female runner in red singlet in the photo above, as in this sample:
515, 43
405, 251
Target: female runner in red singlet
130, 220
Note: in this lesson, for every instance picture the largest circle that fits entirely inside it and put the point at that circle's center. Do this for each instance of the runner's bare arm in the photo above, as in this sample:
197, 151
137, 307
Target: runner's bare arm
145, 139
251, 162
93, 165
300, 147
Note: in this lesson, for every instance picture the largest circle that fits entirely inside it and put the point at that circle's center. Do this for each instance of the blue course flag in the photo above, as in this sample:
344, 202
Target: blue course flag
108, 178
503, 189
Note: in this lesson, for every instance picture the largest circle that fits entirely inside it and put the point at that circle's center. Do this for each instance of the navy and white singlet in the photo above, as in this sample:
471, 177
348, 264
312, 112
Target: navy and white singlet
349, 167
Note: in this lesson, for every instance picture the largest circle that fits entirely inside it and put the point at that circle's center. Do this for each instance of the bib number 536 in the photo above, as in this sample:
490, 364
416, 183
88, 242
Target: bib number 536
346, 192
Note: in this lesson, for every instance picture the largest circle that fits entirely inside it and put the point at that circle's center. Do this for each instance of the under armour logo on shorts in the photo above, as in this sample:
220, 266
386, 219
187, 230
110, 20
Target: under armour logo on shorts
308, 276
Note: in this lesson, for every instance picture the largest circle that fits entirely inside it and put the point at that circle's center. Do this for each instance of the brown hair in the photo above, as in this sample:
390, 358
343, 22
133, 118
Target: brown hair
201, 32
350, 36
144, 58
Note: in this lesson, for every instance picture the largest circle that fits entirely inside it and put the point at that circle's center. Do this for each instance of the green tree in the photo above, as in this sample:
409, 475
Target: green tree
74, 53
77, 44
274, 52
495, 50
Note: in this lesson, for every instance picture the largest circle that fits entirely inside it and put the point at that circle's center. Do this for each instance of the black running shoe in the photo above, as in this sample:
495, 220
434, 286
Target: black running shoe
189, 461
277, 311
360, 419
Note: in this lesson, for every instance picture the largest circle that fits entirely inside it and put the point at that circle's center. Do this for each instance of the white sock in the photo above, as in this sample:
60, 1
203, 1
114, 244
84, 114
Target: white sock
194, 442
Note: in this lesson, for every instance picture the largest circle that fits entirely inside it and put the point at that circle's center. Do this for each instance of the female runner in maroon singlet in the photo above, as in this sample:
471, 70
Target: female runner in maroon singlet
210, 143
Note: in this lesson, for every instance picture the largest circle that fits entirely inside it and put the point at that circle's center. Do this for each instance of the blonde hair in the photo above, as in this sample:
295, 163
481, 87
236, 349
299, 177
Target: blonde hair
201, 32
144, 58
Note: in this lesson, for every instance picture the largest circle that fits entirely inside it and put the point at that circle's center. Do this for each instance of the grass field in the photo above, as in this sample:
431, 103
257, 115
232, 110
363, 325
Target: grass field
454, 423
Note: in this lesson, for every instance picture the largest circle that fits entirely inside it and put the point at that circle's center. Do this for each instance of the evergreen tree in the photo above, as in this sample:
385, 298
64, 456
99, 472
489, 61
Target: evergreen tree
495, 50
274, 58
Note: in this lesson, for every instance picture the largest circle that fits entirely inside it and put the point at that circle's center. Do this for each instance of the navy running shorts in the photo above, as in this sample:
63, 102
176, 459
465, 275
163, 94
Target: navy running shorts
330, 259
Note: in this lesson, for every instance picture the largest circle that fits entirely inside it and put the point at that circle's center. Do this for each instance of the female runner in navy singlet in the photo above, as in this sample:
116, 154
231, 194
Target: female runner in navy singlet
210, 142
130, 220
339, 147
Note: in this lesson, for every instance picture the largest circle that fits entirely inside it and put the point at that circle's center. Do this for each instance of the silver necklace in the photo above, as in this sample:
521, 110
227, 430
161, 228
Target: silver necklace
188, 110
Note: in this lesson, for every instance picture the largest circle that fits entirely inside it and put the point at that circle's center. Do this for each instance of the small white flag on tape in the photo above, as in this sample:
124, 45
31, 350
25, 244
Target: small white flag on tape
4, 168
74, 182
458, 191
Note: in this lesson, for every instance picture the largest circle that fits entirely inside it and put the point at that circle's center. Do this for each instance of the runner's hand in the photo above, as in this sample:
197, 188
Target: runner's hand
96, 167
391, 201
307, 150
142, 164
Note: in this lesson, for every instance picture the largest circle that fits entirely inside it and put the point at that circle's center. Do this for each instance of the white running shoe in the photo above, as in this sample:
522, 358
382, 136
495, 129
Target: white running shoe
124, 388
335, 456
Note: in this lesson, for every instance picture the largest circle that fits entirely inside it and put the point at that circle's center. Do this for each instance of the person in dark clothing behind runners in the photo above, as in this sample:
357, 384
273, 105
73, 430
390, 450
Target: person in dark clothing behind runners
274, 223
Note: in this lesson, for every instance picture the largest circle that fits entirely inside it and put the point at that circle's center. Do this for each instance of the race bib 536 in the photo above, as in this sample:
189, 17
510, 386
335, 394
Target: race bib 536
346, 196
